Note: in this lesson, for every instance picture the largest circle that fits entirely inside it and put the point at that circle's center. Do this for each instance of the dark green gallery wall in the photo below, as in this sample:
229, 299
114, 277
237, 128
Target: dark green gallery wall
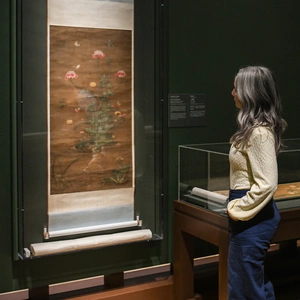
5, 172
208, 40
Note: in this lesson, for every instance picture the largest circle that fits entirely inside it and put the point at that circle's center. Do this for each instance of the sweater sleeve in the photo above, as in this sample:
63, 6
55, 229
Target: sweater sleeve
262, 167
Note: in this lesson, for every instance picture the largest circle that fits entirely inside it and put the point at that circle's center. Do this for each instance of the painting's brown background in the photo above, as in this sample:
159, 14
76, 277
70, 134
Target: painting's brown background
79, 171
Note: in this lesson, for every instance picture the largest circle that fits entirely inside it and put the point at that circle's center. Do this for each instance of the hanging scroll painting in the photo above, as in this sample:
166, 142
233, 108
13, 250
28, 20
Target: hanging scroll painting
90, 136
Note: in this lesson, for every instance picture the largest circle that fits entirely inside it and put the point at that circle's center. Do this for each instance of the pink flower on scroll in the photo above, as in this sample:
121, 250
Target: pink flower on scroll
71, 75
120, 74
98, 54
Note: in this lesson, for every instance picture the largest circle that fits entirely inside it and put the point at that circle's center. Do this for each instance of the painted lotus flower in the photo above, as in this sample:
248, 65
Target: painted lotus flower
98, 54
71, 75
120, 74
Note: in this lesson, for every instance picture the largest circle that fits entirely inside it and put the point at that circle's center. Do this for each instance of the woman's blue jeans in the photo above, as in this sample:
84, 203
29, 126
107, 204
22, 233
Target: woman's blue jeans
249, 242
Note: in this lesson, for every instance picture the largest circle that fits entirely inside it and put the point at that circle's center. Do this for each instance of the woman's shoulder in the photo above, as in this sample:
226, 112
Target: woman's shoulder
261, 134
261, 130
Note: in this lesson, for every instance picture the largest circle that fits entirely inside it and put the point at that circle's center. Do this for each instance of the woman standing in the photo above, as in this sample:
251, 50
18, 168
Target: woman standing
253, 215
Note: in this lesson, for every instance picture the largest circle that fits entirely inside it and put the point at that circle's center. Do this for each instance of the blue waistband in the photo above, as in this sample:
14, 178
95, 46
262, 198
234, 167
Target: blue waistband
234, 194
266, 213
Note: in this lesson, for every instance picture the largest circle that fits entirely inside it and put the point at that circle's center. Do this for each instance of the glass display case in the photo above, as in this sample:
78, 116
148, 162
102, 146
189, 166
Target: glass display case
88, 170
203, 175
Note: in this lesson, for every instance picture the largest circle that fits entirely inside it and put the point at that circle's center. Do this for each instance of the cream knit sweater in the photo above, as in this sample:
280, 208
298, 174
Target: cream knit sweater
253, 168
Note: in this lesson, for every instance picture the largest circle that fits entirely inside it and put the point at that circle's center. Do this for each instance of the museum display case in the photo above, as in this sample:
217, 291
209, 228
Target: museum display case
203, 175
88, 150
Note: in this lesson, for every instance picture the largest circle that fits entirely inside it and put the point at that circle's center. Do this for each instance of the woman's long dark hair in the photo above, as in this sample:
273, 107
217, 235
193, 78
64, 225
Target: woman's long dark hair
261, 105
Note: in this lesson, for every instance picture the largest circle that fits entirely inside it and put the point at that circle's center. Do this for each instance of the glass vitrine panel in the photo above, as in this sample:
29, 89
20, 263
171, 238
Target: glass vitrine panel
88, 124
204, 175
